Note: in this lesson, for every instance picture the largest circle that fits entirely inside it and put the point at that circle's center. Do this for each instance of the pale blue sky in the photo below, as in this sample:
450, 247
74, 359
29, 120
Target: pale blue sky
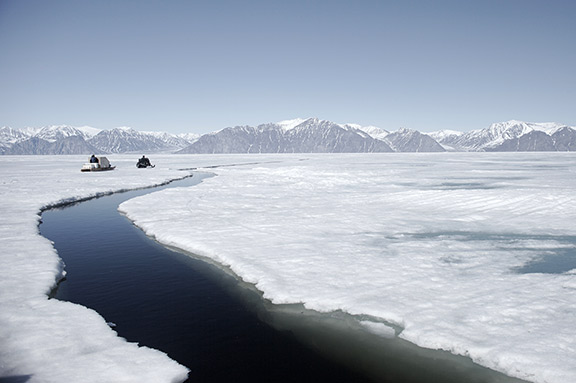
200, 66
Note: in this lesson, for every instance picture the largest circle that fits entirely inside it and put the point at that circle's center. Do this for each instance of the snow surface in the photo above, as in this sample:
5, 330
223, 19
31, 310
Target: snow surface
433, 244
291, 124
373, 131
46, 339
546, 127
441, 134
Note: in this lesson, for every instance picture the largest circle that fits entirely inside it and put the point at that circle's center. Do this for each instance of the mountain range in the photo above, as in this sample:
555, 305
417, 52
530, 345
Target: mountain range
62, 139
310, 135
511, 136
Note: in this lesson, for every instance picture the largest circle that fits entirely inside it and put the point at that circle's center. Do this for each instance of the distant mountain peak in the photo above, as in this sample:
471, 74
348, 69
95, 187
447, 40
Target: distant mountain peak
310, 135
405, 130
290, 124
409, 140
511, 135
314, 121
55, 133
124, 128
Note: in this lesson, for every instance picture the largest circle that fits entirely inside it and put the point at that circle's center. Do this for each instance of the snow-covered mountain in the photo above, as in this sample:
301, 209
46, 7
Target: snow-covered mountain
63, 139
511, 135
41, 140
126, 140
289, 124
408, 140
188, 137
373, 131
479, 140
177, 141
562, 139
295, 136
565, 139
289, 136
58, 132
446, 137
9, 136
312, 136
37, 145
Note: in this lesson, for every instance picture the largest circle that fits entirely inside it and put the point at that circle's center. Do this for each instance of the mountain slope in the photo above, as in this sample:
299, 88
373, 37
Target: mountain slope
374, 132
240, 139
565, 139
502, 136
530, 142
321, 136
407, 140
9, 136
126, 140
119, 140
295, 136
175, 142
67, 145
73, 145
57, 132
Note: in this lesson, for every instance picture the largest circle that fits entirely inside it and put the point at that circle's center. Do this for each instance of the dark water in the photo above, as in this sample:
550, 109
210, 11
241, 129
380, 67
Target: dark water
206, 320
168, 301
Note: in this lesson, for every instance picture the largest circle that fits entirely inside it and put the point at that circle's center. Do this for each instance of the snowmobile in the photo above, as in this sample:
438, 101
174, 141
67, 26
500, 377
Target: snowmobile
144, 163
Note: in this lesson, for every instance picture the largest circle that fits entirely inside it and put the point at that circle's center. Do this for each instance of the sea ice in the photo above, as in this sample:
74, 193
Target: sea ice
45, 339
434, 244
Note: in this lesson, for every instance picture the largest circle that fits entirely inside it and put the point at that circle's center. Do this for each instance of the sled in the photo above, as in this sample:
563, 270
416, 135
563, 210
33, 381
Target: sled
102, 165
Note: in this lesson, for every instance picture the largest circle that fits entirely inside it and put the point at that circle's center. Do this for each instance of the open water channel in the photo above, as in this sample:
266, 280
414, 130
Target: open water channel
209, 321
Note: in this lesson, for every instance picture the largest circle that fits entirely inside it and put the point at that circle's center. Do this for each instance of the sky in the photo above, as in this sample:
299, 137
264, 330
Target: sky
199, 66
